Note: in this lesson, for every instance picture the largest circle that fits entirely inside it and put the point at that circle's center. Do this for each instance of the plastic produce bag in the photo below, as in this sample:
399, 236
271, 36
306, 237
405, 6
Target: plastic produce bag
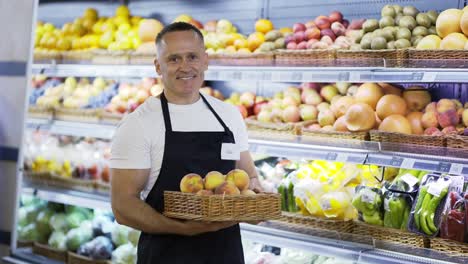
397, 208
427, 210
454, 218
368, 201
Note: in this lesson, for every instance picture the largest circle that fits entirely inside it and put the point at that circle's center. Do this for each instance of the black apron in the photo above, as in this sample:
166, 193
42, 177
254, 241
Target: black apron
187, 152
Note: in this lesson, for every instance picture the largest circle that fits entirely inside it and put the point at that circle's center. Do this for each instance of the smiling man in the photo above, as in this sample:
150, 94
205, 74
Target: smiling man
167, 137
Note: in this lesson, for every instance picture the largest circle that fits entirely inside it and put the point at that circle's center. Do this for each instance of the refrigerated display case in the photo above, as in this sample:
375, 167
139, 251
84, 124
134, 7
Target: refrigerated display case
266, 80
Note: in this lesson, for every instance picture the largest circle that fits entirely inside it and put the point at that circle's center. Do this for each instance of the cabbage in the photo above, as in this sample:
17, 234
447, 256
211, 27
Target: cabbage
87, 228
125, 254
28, 233
76, 237
22, 219
120, 234
42, 222
58, 222
134, 236
74, 219
58, 240
87, 213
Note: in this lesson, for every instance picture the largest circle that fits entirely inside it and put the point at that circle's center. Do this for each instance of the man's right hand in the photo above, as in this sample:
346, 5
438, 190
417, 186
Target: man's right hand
192, 228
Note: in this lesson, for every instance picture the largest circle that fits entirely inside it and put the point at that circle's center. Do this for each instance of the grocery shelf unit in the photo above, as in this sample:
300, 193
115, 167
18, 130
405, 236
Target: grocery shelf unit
283, 14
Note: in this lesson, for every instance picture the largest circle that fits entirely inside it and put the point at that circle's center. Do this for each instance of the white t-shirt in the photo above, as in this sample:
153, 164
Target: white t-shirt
138, 142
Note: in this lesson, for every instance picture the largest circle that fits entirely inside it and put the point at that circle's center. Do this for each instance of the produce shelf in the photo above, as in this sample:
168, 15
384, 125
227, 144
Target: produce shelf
354, 151
378, 73
361, 252
25, 255
72, 197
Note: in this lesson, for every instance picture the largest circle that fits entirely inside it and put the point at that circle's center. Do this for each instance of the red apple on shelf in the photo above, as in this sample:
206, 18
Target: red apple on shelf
302, 45
291, 45
299, 27
310, 24
243, 111
335, 16
289, 39
329, 33
312, 33
322, 22
299, 36
345, 23
310, 43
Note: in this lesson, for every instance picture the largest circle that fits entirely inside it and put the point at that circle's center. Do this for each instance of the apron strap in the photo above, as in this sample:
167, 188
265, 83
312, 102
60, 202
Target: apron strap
165, 110
226, 129
167, 117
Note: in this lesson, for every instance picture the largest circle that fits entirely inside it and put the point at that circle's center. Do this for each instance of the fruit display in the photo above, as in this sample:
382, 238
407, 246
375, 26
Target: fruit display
235, 182
73, 94
90, 31
432, 195
454, 220
90, 233
399, 27
323, 32
67, 157
131, 95
451, 31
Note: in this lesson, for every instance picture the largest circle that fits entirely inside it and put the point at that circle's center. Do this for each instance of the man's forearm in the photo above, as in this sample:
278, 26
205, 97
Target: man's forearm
133, 212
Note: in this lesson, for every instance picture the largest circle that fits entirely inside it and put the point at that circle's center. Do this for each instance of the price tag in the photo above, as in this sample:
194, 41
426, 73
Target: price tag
368, 196
444, 167
457, 183
296, 76
429, 77
386, 204
396, 162
410, 179
407, 163
435, 188
331, 156
456, 168
342, 157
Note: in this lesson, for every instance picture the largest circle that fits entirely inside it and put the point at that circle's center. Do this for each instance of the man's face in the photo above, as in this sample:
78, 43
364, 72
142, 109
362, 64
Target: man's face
182, 62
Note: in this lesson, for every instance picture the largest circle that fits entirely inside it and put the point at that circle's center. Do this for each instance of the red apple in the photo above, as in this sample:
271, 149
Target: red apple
312, 33
291, 45
299, 36
258, 107
289, 38
328, 32
335, 16
322, 22
338, 29
302, 45
345, 23
299, 27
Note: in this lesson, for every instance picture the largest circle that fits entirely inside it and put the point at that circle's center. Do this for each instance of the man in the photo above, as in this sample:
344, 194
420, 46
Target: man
167, 137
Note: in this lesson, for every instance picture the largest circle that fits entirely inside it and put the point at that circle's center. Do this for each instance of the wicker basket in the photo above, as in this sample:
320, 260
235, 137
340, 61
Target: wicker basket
254, 59
49, 252
273, 128
335, 134
450, 247
438, 58
387, 58
111, 118
35, 111
100, 56
317, 223
222, 207
391, 235
318, 57
408, 140
142, 58
46, 56
457, 146
102, 187
78, 115
74, 258
24, 243
77, 56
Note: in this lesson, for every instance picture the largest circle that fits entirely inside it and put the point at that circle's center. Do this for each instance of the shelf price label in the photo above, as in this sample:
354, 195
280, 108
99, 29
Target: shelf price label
396, 161
444, 167
407, 163
425, 166
456, 168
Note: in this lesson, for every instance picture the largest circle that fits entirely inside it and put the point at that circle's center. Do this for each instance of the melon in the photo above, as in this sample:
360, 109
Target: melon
453, 41
149, 29
449, 22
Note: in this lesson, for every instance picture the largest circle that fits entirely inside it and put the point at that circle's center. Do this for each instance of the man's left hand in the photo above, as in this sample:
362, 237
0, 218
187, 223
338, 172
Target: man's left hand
255, 185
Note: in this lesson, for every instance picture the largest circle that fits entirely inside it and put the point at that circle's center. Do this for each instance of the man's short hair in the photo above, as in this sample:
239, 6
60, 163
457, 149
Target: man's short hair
175, 27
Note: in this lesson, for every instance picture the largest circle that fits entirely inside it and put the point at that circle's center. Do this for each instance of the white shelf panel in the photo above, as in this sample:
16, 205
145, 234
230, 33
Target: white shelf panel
270, 73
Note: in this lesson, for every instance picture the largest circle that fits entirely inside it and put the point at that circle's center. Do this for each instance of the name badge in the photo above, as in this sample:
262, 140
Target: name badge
229, 151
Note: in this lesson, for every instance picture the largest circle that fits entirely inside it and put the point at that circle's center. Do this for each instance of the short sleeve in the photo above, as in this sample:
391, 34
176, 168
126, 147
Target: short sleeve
241, 136
130, 148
